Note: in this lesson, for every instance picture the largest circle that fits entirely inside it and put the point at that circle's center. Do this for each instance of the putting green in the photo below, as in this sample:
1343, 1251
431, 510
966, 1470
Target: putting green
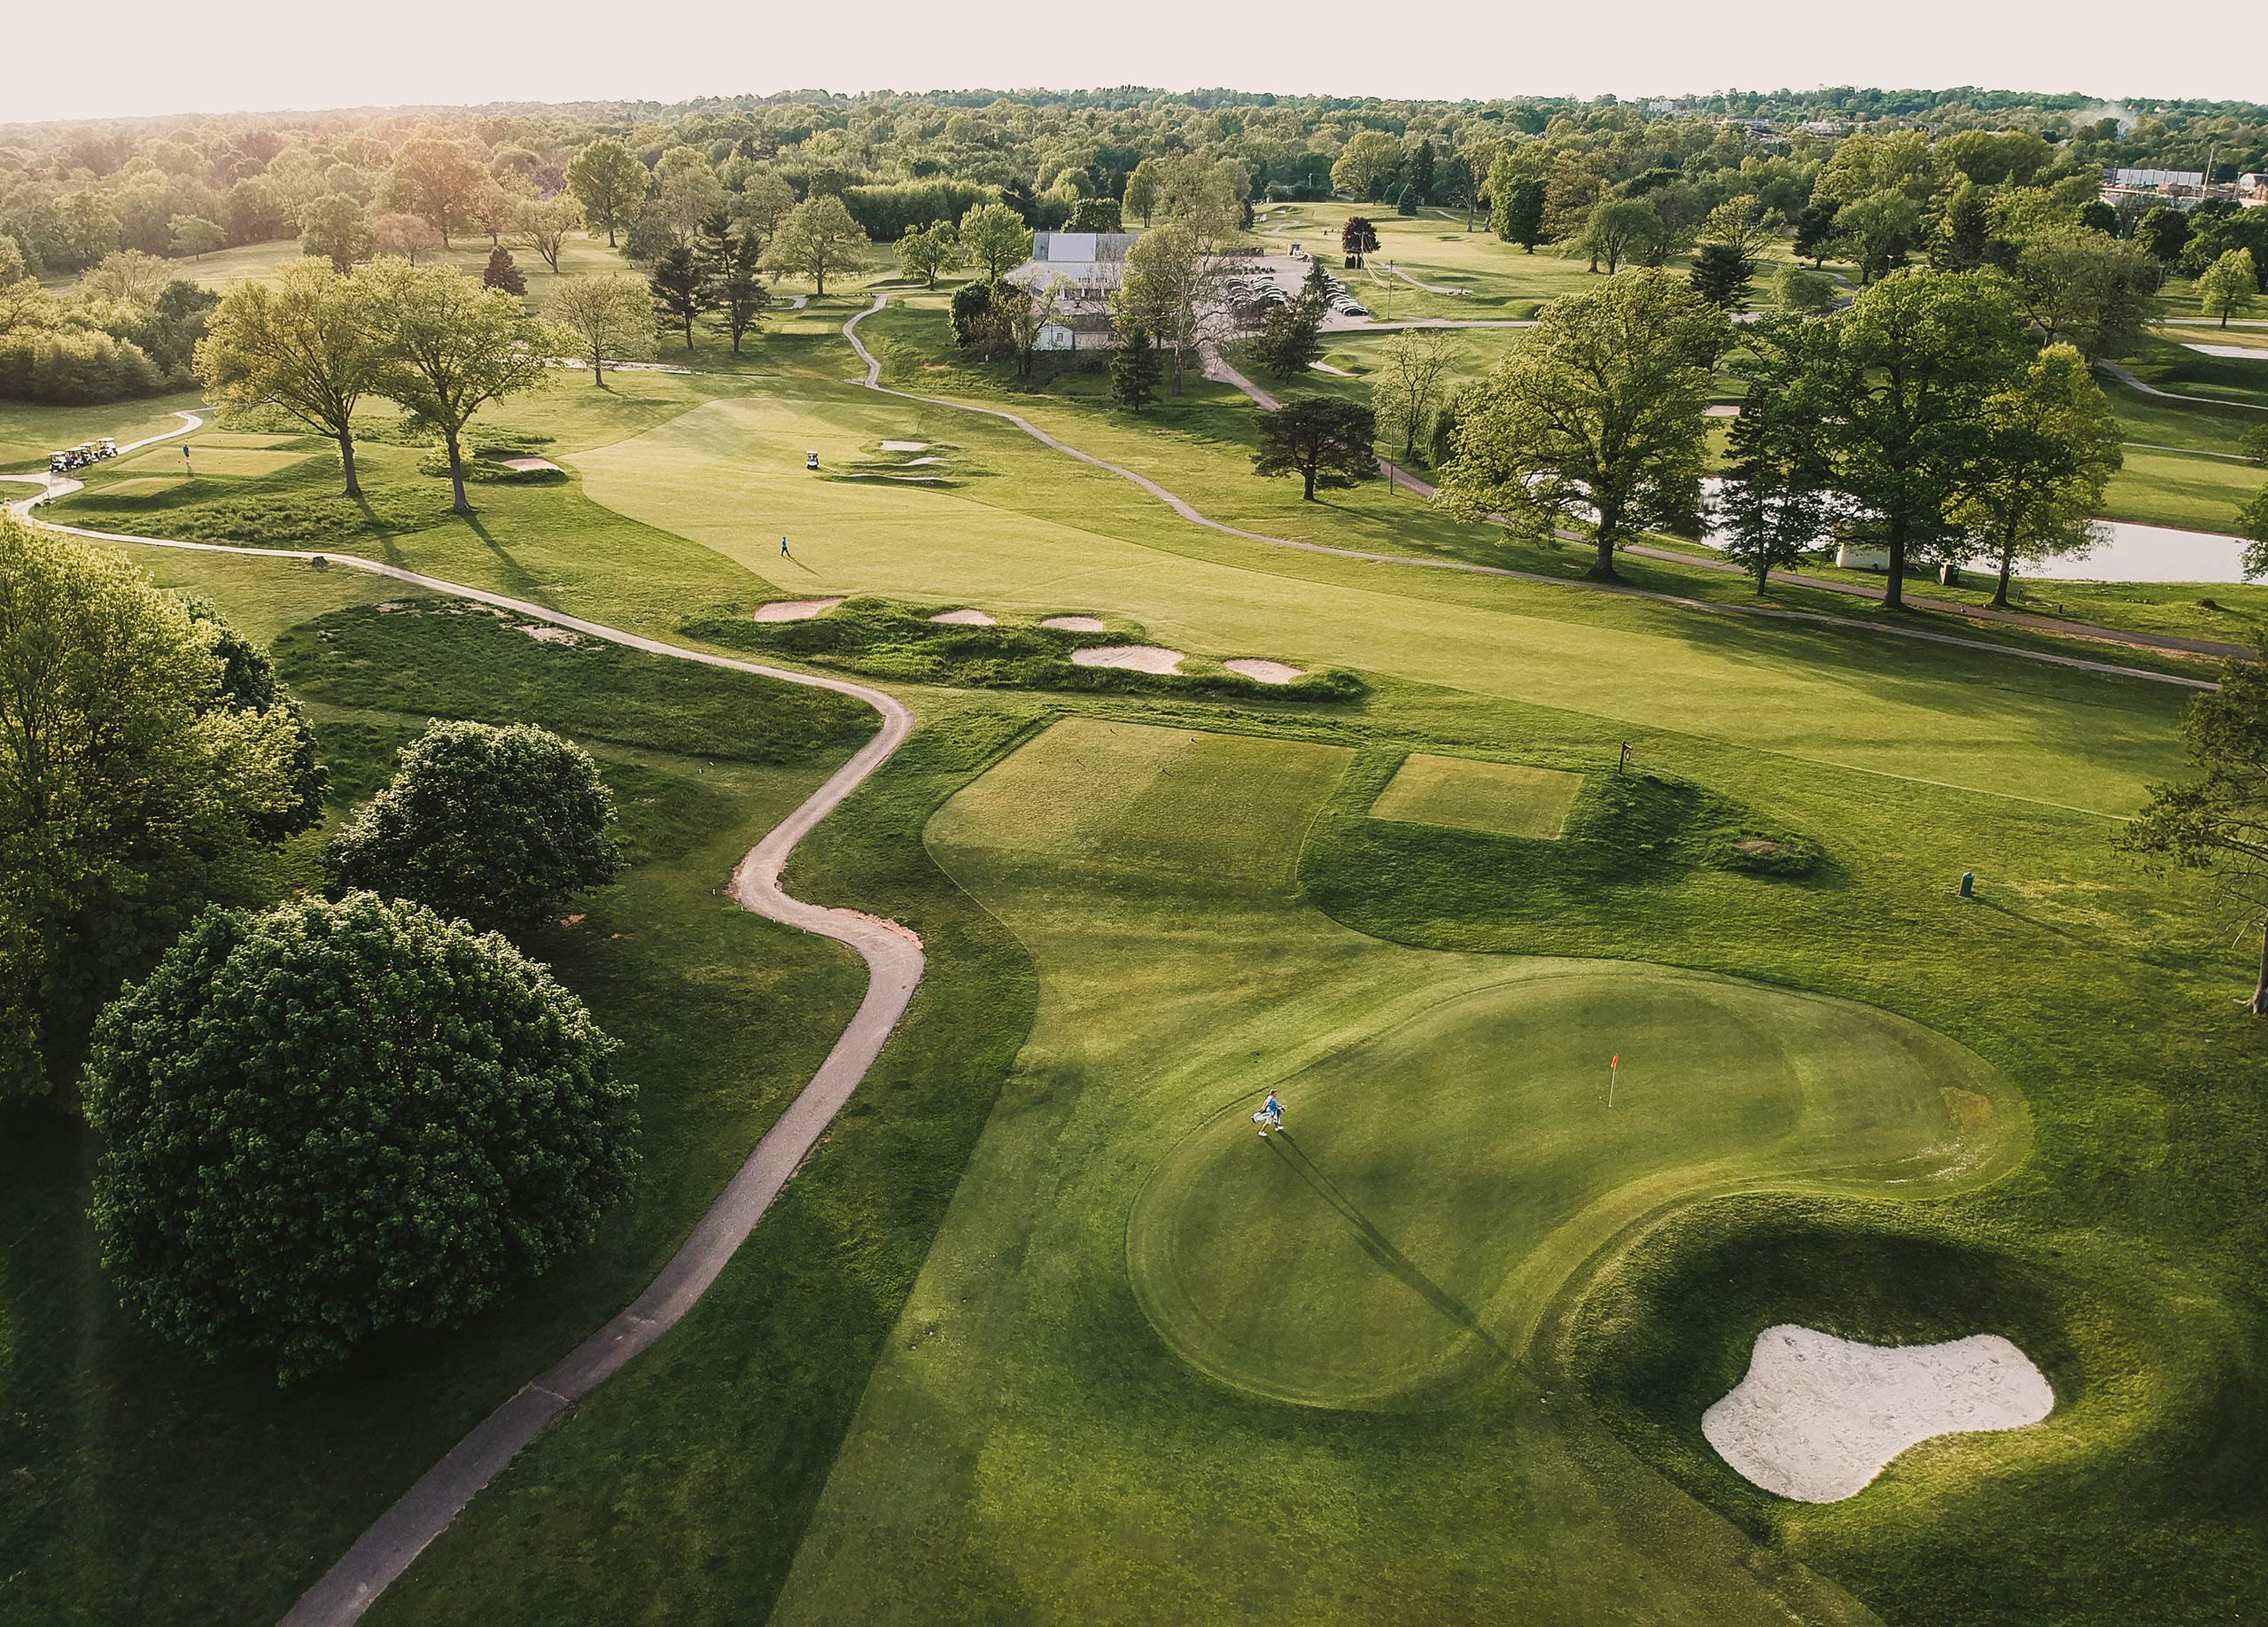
1496, 799
1436, 1180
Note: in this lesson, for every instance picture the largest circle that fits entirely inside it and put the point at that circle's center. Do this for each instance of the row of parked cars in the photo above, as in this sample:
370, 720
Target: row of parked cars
1261, 288
80, 455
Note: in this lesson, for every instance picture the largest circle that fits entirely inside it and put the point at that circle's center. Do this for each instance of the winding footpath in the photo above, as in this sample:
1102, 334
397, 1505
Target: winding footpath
2126, 376
894, 966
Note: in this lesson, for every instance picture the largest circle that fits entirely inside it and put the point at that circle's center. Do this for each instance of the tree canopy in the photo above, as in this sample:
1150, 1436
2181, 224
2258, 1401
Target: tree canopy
325, 1120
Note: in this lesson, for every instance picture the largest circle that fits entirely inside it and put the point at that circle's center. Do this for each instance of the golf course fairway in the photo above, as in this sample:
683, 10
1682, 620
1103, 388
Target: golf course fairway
1437, 1180
1092, 1407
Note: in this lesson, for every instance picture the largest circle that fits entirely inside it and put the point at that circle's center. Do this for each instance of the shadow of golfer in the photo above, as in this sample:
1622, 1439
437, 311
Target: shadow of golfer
1379, 1246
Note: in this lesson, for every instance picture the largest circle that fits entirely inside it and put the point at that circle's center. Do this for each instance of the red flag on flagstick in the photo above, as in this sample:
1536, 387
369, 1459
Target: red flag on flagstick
1616, 1062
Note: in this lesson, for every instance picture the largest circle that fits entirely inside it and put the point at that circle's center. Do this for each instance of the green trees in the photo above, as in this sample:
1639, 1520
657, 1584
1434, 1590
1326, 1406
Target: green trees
1772, 507
611, 318
996, 239
2228, 285
1407, 391
1358, 238
436, 179
681, 290
735, 261
1515, 205
325, 1120
1895, 391
500, 826
2050, 447
1291, 337
447, 348
2219, 823
1720, 275
1173, 289
1597, 416
818, 240
134, 783
1095, 214
301, 346
610, 183
926, 251
542, 224
501, 272
1318, 438
1619, 227
1882, 228
337, 229
1134, 370
1369, 161
2088, 288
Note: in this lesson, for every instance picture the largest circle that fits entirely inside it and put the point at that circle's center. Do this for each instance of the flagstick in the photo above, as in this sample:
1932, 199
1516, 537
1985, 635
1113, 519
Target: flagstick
1612, 1069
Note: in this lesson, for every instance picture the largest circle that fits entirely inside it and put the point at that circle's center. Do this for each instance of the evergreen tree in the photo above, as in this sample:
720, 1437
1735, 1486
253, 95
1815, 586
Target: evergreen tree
1134, 370
1291, 338
1516, 213
1815, 232
735, 263
1421, 171
501, 272
681, 289
1721, 273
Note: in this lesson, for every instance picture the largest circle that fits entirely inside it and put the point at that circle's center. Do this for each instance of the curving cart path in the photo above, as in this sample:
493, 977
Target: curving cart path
1217, 368
894, 965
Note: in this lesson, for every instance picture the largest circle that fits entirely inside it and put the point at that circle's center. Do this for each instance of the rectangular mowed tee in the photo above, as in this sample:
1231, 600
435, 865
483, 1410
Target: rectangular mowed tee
1497, 799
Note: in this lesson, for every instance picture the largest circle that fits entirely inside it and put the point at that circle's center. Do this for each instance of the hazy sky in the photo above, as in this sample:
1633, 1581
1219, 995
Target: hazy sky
126, 56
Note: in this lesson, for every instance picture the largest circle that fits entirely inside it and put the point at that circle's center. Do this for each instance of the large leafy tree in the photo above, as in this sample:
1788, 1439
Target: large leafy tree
1369, 161
448, 348
996, 239
1599, 415
2088, 288
2217, 822
1898, 399
611, 319
2228, 286
337, 229
925, 251
1320, 439
326, 1120
818, 240
1175, 289
1620, 228
542, 224
500, 826
438, 181
1407, 391
2051, 446
610, 183
135, 783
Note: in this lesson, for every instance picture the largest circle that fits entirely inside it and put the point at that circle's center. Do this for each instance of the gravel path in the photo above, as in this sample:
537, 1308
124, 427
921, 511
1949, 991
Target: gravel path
2125, 376
894, 965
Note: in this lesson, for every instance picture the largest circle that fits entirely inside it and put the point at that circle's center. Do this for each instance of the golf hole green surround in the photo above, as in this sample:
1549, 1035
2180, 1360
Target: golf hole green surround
1441, 1180
1467, 794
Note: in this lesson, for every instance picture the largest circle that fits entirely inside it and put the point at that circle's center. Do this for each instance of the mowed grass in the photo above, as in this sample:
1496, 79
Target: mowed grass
146, 1485
1496, 798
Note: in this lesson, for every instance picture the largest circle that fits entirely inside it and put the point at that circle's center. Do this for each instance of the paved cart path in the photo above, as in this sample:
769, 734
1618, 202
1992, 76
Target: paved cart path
894, 965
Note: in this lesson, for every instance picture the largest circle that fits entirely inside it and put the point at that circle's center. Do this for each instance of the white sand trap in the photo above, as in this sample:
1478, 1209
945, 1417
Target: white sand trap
1074, 623
1137, 658
1720, 409
906, 445
1817, 1417
544, 635
794, 609
963, 617
916, 462
528, 465
1264, 671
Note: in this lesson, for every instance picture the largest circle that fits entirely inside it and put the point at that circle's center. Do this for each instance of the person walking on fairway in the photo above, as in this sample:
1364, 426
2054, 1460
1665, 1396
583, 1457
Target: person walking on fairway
1270, 1116
783, 547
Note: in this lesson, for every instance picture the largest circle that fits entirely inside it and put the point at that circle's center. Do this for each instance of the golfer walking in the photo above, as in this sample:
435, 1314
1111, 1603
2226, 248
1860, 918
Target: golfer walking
783, 547
1270, 1116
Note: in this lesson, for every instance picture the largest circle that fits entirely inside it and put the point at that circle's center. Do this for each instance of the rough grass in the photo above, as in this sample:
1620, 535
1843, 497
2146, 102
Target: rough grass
458, 659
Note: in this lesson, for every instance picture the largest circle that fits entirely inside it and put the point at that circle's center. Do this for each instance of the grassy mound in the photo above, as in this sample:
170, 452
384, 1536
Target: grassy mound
456, 658
883, 638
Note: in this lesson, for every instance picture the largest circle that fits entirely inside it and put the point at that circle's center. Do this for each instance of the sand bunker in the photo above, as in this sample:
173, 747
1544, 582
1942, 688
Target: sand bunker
906, 445
1136, 657
794, 609
1720, 409
963, 617
916, 462
1264, 671
545, 635
1074, 623
529, 466
1817, 1417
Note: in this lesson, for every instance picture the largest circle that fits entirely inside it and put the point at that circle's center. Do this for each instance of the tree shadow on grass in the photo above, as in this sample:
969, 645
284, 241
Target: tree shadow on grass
1379, 1246
518, 580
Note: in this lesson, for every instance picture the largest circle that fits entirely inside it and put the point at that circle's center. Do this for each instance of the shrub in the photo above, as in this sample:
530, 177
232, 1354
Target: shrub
74, 368
887, 209
500, 826
323, 1120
